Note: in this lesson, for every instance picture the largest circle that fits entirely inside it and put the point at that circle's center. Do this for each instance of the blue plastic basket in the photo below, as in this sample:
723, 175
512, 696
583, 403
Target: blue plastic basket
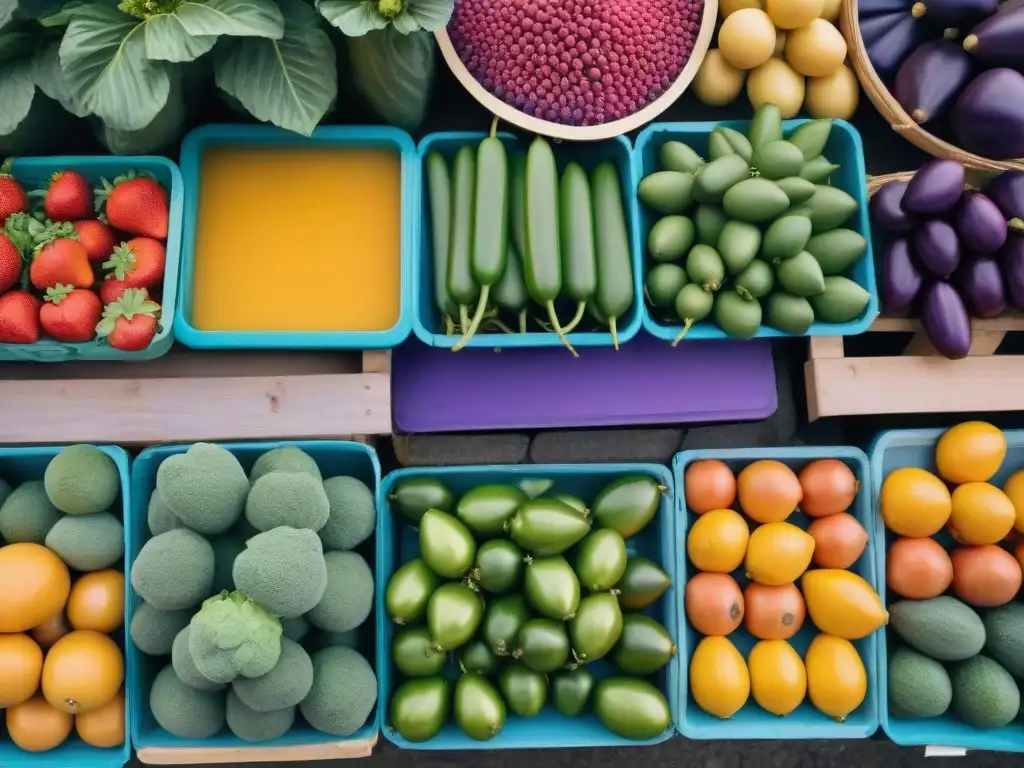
752, 722
844, 147
427, 321
17, 465
397, 543
34, 173
207, 136
916, 448
334, 457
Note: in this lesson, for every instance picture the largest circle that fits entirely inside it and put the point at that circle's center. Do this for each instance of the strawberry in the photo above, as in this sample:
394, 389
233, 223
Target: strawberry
11, 263
112, 289
19, 318
12, 195
139, 262
130, 322
69, 197
70, 314
135, 204
62, 260
97, 237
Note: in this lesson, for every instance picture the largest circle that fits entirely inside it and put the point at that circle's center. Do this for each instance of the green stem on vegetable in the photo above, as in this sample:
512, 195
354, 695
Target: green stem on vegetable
581, 308
1016, 225
522, 321
474, 324
553, 317
686, 327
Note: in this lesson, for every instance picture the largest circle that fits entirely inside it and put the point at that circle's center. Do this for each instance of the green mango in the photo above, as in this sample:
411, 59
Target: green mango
785, 238
601, 559
670, 238
486, 509
552, 587
693, 304
570, 690
547, 526
477, 656
446, 545
642, 583
666, 192
534, 486
499, 566
420, 708
711, 182
412, 650
789, 314
479, 709
631, 708
842, 302
705, 267
756, 281
663, 284
830, 208
543, 645
818, 169
755, 200
778, 160
578, 504
644, 647
727, 141
801, 276
408, 590
738, 244
837, 251
524, 689
502, 622
454, 613
811, 137
797, 190
709, 221
676, 156
413, 496
628, 504
765, 126
596, 627
736, 316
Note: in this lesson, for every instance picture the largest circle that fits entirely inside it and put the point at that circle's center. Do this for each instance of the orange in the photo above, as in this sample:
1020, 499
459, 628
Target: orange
103, 727
768, 491
34, 585
914, 502
97, 601
717, 541
82, 672
714, 603
971, 452
918, 568
21, 664
981, 514
709, 484
1014, 490
35, 726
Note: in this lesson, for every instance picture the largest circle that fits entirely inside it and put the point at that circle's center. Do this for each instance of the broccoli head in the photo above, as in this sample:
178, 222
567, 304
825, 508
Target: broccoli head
283, 570
231, 636
205, 488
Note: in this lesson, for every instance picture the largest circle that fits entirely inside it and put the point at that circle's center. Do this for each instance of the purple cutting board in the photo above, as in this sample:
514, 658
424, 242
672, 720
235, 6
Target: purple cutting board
646, 382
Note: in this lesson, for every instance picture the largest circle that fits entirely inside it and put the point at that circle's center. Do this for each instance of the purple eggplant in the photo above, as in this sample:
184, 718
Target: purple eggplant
1007, 192
888, 51
998, 41
875, 28
1011, 261
988, 118
980, 225
937, 248
936, 187
945, 320
942, 14
886, 209
901, 279
981, 287
931, 78
866, 8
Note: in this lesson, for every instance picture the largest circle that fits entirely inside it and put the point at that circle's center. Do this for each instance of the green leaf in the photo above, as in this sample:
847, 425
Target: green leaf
394, 72
291, 82
16, 44
50, 79
63, 17
352, 17
17, 89
431, 15
235, 18
168, 40
165, 131
7, 9
103, 56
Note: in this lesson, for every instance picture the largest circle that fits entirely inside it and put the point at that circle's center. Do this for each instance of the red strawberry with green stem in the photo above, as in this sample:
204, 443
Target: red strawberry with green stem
61, 260
12, 195
129, 323
136, 204
11, 263
112, 289
19, 318
138, 262
69, 197
99, 239
70, 314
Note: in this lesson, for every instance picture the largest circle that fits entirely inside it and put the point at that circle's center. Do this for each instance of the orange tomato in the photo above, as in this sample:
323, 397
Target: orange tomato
35, 726
709, 484
103, 727
838, 540
83, 671
714, 603
918, 568
985, 576
768, 491
21, 664
97, 601
34, 585
829, 487
773, 613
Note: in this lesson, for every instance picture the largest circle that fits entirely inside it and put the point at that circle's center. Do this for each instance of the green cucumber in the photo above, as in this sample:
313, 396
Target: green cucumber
614, 261
439, 198
462, 288
576, 228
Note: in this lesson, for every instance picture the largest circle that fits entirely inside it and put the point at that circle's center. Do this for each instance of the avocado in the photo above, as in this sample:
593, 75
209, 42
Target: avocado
918, 686
984, 694
943, 628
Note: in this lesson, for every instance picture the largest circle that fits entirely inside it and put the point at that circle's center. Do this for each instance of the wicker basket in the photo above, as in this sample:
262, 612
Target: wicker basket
895, 115
975, 180
641, 117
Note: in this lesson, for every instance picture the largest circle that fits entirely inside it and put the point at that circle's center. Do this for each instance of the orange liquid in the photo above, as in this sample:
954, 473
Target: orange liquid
298, 240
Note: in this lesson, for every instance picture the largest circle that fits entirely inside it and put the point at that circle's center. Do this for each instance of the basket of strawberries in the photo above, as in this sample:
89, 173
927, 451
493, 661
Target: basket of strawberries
89, 251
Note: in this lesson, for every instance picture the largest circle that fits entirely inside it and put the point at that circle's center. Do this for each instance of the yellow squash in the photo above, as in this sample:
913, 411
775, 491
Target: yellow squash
836, 680
719, 680
778, 553
842, 603
778, 680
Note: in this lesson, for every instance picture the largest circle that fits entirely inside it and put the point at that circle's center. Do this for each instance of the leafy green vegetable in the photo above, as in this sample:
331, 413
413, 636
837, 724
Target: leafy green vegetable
394, 73
231, 636
359, 17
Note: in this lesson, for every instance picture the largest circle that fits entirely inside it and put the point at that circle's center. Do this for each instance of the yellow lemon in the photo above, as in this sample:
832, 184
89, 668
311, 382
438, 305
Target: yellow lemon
719, 680
718, 541
791, 14
981, 514
778, 553
836, 680
778, 680
914, 502
1014, 490
843, 604
971, 452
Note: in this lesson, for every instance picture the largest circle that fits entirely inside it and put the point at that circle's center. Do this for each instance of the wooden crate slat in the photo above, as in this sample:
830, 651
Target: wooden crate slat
255, 754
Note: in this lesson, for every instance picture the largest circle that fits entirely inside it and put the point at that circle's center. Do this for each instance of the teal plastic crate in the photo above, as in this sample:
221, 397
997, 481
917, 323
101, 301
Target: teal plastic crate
916, 448
330, 137
398, 542
427, 320
334, 457
34, 173
806, 722
844, 148
17, 465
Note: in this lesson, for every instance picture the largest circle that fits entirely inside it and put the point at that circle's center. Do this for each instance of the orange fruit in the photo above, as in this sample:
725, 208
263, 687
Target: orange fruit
773, 613
51, 630
981, 514
768, 491
839, 540
1014, 490
97, 601
714, 603
83, 671
985, 576
103, 727
778, 553
35, 726
717, 541
829, 487
971, 452
918, 568
709, 484
34, 585
914, 502
21, 664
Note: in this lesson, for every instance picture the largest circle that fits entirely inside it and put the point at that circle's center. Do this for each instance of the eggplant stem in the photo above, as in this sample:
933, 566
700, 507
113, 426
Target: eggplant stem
686, 327
1016, 225
553, 316
468, 333
580, 309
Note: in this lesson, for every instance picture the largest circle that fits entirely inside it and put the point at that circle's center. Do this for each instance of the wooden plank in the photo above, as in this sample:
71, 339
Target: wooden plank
219, 755
826, 346
909, 325
857, 386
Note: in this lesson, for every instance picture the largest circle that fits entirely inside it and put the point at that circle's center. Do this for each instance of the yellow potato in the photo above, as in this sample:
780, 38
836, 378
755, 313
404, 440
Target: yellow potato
834, 95
832, 9
791, 14
718, 82
815, 50
775, 82
747, 38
